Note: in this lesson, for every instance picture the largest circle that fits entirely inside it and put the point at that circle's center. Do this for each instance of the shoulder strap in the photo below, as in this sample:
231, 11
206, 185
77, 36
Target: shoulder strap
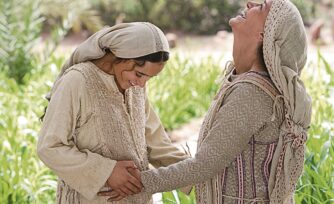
261, 81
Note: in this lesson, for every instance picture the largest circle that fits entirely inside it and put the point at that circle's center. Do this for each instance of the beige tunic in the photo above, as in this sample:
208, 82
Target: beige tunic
236, 144
89, 125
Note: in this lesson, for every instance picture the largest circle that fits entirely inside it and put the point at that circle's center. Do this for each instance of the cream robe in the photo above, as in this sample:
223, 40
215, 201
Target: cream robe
89, 125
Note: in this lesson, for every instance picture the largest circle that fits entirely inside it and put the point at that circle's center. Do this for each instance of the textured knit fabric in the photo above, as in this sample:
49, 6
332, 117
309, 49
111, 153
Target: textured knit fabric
285, 54
235, 149
89, 125
124, 40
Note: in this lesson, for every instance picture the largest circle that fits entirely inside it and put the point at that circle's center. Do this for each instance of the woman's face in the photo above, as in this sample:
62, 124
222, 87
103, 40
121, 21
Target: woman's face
250, 24
128, 73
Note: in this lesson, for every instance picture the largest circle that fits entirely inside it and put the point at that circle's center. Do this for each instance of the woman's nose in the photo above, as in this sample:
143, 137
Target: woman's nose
251, 4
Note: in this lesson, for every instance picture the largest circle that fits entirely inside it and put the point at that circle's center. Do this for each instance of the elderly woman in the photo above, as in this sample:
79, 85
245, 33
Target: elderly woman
251, 145
99, 114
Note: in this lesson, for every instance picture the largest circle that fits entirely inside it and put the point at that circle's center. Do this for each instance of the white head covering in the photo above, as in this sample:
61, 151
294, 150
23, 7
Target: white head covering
125, 40
285, 54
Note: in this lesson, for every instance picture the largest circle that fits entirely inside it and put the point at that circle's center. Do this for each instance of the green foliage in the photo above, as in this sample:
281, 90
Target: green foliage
20, 28
24, 179
184, 89
78, 13
178, 197
195, 16
20, 31
191, 16
317, 183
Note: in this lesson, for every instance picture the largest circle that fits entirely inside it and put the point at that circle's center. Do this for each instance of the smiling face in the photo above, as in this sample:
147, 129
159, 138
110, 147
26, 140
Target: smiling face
250, 23
248, 32
253, 17
128, 73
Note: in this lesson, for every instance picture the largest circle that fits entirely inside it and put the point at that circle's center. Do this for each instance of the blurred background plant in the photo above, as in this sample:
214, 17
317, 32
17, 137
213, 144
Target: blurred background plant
79, 14
317, 183
20, 28
195, 16
187, 79
20, 34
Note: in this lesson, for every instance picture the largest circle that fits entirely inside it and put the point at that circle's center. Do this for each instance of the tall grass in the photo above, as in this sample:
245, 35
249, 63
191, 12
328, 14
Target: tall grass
20, 28
184, 89
317, 183
24, 179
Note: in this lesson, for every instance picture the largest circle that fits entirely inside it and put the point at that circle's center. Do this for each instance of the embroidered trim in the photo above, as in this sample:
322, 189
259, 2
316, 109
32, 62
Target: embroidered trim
252, 166
240, 172
223, 181
266, 165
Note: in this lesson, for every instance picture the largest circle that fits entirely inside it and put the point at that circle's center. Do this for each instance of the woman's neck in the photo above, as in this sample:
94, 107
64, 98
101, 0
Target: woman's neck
249, 63
242, 66
106, 66
246, 56
259, 68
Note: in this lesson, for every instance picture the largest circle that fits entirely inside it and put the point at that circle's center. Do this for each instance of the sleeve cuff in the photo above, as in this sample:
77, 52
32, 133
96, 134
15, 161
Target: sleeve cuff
103, 171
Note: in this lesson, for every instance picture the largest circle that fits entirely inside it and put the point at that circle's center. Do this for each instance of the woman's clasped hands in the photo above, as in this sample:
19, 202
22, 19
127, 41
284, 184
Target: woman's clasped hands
123, 181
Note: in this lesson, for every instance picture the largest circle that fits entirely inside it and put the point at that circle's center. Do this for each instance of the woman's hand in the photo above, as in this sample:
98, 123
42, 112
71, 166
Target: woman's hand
113, 195
135, 173
123, 182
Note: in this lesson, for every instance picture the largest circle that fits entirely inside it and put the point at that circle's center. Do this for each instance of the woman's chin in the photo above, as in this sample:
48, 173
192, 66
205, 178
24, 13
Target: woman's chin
236, 20
125, 87
231, 21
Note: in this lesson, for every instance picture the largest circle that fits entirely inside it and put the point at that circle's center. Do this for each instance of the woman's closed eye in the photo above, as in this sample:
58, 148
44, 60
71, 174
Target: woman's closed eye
138, 74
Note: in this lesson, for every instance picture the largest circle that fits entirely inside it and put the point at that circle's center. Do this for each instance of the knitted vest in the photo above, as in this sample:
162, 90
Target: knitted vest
210, 192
